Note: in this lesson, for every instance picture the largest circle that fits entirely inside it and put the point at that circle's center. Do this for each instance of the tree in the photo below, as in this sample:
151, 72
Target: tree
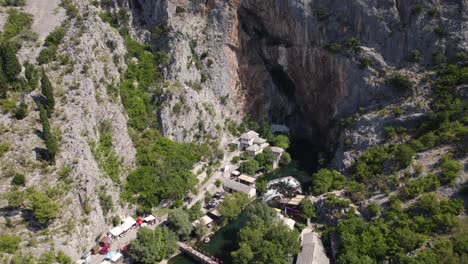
261, 242
404, 155
44, 208
373, 209
232, 205
200, 229
3, 85
308, 209
450, 170
31, 74
11, 65
153, 246
325, 180
285, 159
261, 186
265, 159
47, 92
49, 138
249, 167
243, 255
195, 211
401, 82
281, 141
179, 221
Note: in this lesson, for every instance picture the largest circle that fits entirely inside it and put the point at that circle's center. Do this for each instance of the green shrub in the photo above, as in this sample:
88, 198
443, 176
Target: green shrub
18, 179
401, 82
9, 244
404, 155
13, 2
21, 111
418, 9
105, 201
55, 37
47, 55
16, 22
439, 58
326, 180
4, 148
450, 170
364, 63
71, 10
43, 208
415, 56
390, 133
180, 10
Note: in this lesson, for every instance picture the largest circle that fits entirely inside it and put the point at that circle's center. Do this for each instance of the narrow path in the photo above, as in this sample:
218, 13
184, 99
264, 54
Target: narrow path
216, 175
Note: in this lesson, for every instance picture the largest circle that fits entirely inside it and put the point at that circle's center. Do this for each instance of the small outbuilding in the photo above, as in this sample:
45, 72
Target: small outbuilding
206, 220
245, 179
233, 186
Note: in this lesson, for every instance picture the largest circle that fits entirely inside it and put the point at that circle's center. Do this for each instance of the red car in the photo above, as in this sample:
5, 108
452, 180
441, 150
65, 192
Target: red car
104, 250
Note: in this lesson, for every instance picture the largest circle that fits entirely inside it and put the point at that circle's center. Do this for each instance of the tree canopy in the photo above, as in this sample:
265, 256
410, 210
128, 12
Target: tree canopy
153, 246
265, 243
179, 221
232, 205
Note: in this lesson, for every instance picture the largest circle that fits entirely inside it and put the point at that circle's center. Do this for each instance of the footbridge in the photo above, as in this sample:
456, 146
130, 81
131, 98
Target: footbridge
201, 257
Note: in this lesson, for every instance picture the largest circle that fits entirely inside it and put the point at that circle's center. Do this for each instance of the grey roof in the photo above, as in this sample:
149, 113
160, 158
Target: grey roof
249, 135
312, 251
277, 150
259, 140
237, 186
254, 148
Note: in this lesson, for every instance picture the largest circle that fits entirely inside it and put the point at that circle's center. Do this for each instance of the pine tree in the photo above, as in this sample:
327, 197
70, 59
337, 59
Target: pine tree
48, 93
11, 65
49, 139
3, 85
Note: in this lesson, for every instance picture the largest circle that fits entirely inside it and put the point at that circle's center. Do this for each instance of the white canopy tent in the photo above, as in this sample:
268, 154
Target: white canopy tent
128, 223
116, 231
116, 257
149, 218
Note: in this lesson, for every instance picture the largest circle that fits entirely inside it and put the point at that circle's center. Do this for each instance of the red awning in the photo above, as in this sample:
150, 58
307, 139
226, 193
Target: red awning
103, 241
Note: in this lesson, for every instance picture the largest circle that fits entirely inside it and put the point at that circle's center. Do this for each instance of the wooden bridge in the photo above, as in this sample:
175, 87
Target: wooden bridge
203, 258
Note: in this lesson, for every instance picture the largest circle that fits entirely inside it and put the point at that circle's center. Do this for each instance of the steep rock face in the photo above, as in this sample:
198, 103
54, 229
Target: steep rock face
202, 83
271, 58
287, 43
95, 55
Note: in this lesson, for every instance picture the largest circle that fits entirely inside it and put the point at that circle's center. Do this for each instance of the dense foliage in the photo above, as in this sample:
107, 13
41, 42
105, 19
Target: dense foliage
164, 167
153, 246
265, 240
232, 205
16, 22
398, 231
43, 208
179, 221
326, 180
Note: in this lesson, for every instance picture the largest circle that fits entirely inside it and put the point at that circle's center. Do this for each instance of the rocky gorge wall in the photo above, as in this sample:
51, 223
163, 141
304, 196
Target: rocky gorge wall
272, 59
